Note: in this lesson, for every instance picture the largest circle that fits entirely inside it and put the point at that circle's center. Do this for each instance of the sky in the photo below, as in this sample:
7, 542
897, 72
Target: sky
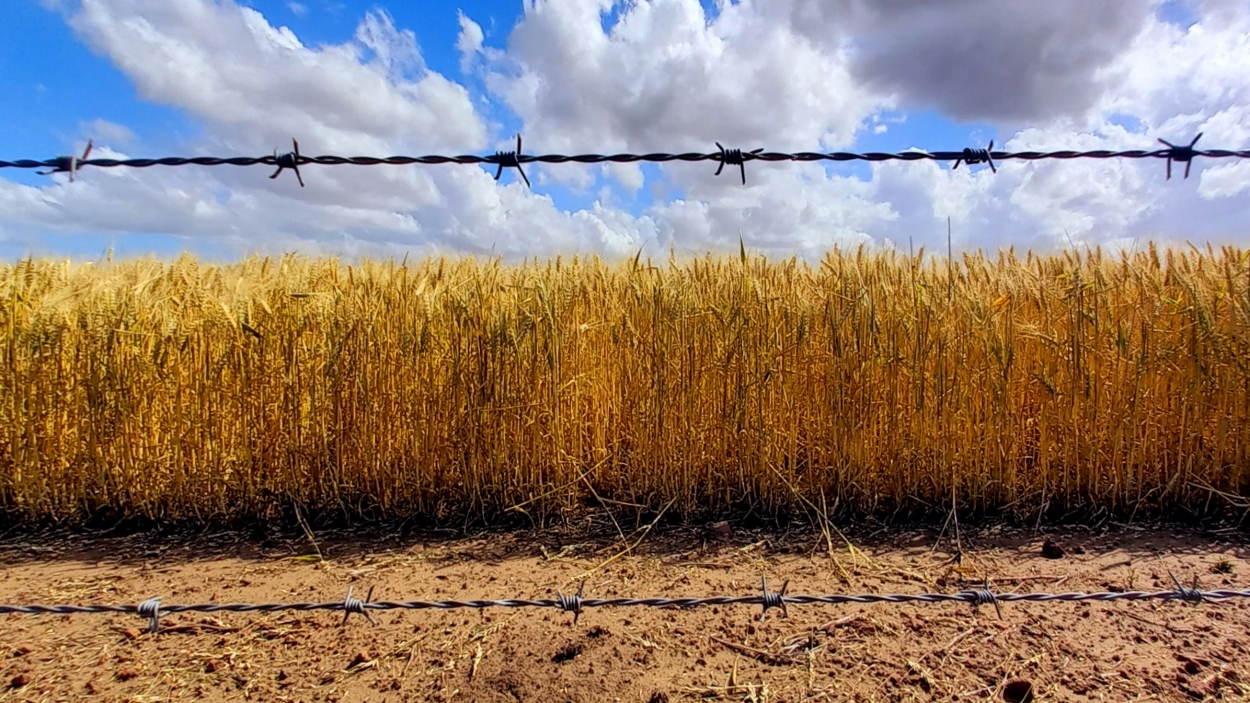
150, 78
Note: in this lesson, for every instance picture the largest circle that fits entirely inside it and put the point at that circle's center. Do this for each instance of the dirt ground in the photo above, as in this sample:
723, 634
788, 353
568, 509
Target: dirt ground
1152, 650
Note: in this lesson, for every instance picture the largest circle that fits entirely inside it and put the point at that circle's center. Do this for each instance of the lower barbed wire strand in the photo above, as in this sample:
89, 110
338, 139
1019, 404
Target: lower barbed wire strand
658, 602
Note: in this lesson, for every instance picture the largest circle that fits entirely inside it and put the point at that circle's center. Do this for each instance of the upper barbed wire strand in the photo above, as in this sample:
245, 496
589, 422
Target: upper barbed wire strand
734, 157
657, 157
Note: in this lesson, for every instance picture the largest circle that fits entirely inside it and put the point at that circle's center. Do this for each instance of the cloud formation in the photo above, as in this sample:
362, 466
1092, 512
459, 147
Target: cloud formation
256, 84
806, 74
252, 84
665, 76
979, 60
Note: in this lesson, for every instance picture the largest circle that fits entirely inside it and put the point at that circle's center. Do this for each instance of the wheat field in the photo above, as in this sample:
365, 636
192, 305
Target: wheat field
453, 390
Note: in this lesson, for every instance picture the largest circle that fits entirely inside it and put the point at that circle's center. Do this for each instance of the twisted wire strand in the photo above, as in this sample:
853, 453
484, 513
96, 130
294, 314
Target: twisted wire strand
732, 157
152, 607
657, 157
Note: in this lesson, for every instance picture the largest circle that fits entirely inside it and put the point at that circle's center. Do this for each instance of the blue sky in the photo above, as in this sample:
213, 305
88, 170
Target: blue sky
74, 71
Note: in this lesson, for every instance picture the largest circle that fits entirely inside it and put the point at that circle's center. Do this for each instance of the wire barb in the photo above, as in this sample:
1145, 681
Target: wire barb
983, 596
68, 164
1181, 153
1185, 593
510, 159
151, 609
355, 605
290, 160
977, 156
735, 157
773, 600
572, 604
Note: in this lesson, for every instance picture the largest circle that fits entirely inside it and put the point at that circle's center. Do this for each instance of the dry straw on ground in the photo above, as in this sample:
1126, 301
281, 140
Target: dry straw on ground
458, 389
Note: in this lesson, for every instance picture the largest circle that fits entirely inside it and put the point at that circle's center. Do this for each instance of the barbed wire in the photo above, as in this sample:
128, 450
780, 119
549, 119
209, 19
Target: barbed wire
1184, 153
153, 610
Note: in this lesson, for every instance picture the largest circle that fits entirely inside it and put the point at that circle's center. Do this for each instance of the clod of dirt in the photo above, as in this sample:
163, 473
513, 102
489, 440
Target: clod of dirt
720, 530
1203, 690
658, 697
1051, 550
19, 681
126, 673
360, 658
22, 650
212, 666
1191, 666
1018, 691
567, 653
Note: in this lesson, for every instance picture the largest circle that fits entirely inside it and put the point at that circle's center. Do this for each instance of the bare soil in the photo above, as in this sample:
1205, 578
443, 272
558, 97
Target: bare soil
1123, 651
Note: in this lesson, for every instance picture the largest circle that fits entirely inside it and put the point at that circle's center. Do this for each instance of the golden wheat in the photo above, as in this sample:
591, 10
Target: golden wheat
445, 389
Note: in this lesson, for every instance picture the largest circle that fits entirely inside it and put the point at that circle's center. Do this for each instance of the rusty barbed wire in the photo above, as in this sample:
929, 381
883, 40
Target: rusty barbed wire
153, 610
292, 160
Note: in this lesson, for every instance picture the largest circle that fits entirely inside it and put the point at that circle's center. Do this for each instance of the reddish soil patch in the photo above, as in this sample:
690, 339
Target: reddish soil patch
1046, 651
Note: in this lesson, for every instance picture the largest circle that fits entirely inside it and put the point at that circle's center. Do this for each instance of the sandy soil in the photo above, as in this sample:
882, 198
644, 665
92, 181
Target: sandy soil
1112, 651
